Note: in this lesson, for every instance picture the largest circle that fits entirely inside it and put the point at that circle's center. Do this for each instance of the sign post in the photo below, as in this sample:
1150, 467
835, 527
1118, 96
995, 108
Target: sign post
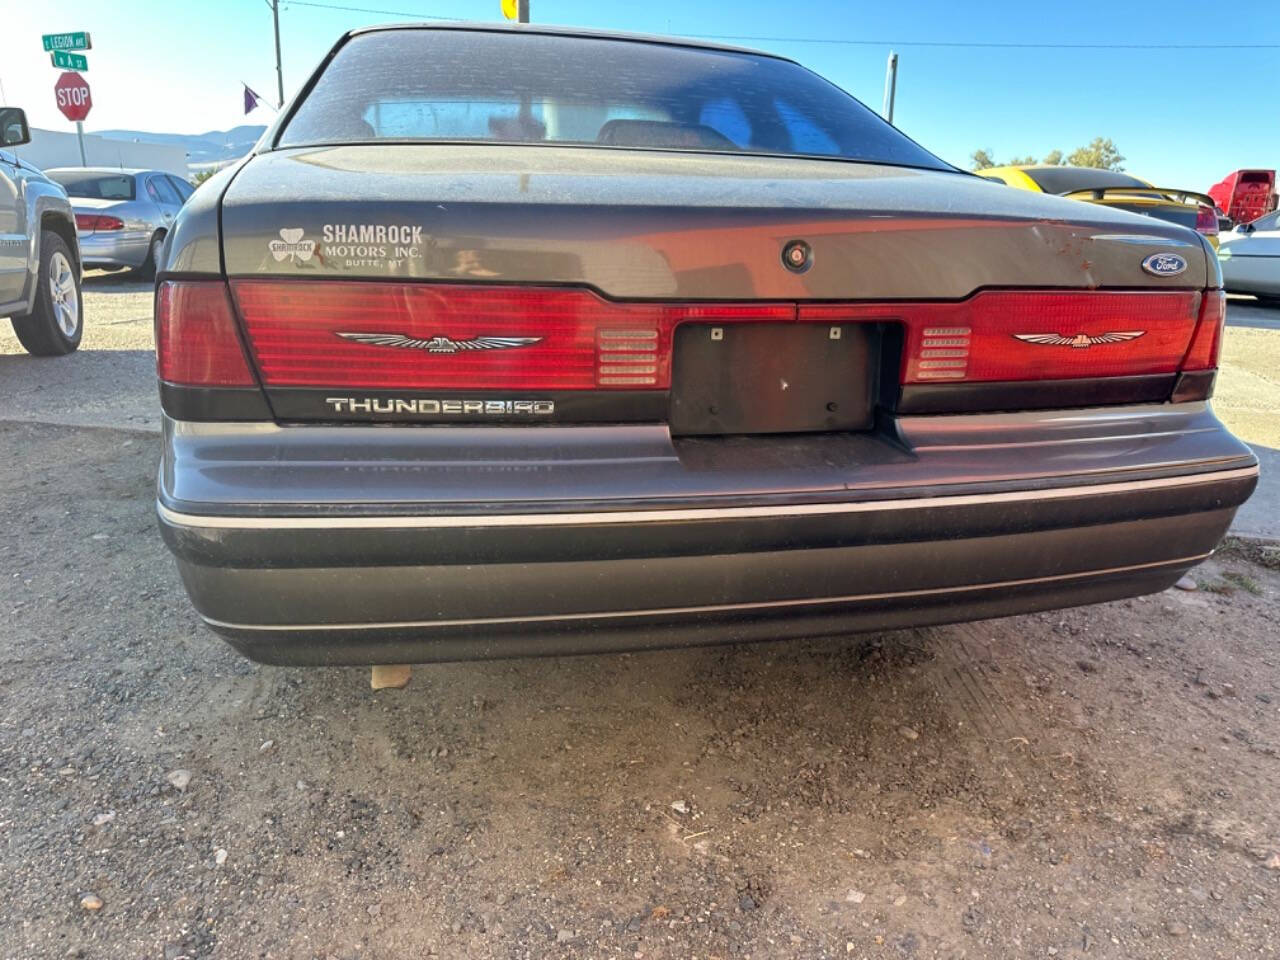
71, 90
516, 10
75, 102
890, 86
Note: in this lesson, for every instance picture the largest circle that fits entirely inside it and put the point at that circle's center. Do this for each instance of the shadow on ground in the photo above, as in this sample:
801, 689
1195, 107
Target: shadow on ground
1248, 312
109, 388
116, 282
1260, 516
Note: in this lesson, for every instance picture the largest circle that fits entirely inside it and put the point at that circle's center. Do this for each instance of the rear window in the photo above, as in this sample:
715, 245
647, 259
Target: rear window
1269, 222
463, 85
1069, 179
114, 186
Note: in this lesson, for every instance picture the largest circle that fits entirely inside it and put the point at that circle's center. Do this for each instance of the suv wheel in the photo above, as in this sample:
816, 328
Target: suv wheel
56, 322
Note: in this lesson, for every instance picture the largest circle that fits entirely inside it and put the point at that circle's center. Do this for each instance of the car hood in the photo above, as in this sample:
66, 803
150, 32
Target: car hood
674, 225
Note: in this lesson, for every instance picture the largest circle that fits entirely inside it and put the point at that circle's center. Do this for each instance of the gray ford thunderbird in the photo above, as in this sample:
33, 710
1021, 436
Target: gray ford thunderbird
512, 341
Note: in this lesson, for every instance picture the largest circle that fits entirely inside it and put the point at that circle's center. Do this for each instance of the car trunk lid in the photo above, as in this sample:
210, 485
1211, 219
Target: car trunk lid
681, 226
458, 283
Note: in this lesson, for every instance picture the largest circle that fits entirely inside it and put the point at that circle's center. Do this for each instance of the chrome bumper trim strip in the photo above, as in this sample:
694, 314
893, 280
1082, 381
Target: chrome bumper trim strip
606, 517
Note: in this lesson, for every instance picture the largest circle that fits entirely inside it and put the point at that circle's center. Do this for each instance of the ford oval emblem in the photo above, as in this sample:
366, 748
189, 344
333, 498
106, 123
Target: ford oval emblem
1164, 264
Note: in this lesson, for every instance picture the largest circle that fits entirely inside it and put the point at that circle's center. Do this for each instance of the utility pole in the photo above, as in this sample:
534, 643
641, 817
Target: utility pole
890, 86
522, 11
275, 16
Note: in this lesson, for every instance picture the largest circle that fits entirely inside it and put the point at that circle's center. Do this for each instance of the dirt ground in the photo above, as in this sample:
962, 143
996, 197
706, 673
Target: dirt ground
1098, 782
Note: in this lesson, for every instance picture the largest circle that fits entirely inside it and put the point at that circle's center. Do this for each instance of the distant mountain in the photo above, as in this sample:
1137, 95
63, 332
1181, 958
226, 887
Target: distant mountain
216, 146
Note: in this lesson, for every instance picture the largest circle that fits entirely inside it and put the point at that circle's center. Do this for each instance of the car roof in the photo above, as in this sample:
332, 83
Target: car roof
127, 171
1046, 166
1024, 167
551, 30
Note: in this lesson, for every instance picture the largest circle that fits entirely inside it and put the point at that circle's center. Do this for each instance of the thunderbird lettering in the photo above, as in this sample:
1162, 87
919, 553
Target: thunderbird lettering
436, 408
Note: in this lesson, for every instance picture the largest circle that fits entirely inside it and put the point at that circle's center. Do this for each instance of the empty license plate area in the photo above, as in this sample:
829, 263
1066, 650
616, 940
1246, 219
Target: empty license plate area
743, 378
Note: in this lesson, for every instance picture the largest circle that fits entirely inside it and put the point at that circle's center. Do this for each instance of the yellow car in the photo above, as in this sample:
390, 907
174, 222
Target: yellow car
1113, 189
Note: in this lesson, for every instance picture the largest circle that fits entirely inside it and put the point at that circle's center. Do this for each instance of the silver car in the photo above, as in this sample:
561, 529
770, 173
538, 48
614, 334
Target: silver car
1250, 258
122, 216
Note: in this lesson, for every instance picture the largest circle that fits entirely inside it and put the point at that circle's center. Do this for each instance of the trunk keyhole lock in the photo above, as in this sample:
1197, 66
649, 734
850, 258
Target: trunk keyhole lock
797, 256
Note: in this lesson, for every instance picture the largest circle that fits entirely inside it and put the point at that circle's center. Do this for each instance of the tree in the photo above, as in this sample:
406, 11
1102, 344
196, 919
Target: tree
202, 176
981, 160
1100, 154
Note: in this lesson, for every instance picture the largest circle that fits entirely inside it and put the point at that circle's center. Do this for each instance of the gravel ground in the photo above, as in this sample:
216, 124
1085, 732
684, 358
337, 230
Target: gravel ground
109, 382
1247, 399
1097, 782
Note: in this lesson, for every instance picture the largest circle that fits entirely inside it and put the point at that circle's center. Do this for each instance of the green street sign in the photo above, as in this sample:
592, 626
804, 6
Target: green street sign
69, 61
67, 41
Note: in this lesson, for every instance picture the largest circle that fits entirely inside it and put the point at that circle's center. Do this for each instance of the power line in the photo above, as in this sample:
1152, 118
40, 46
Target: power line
1264, 45
393, 13
960, 44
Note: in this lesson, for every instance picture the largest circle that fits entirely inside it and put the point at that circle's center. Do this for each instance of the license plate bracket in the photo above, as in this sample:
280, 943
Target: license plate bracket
745, 378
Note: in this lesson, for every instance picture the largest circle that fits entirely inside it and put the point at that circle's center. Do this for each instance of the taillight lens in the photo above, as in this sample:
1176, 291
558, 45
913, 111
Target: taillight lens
1037, 335
1207, 221
1207, 340
336, 333
463, 336
93, 222
197, 343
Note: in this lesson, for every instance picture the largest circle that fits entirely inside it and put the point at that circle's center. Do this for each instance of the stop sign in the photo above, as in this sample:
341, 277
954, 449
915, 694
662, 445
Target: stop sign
72, 91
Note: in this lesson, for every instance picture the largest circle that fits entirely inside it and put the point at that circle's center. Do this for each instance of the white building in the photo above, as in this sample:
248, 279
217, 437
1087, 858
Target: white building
52, 148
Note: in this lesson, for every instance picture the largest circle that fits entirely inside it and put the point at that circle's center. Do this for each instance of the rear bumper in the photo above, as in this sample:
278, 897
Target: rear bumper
302, 558
114, 249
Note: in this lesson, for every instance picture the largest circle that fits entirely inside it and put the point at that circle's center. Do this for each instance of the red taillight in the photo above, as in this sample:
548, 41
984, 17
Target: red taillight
461, 336
474, 337
93, 222
1207, 221
1203, 352
999, 335
196, 339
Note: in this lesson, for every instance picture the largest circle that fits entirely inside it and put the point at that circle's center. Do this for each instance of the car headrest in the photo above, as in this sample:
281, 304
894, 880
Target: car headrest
519, 129
661, 133
354, 128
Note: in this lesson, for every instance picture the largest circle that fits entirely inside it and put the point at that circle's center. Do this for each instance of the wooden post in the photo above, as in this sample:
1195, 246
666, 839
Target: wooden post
393, 676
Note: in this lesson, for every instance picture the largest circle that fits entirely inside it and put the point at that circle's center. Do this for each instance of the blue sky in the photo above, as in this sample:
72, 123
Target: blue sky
1182, 117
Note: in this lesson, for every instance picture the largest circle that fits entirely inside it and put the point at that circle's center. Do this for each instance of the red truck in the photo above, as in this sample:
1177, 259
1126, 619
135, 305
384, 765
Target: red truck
1246, 195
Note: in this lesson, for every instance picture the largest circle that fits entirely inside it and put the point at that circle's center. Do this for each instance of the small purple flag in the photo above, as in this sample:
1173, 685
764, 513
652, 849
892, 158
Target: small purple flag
251, 99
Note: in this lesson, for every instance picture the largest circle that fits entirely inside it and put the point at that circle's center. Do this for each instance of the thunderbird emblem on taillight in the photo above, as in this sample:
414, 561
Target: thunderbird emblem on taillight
1080, 341
439, 344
